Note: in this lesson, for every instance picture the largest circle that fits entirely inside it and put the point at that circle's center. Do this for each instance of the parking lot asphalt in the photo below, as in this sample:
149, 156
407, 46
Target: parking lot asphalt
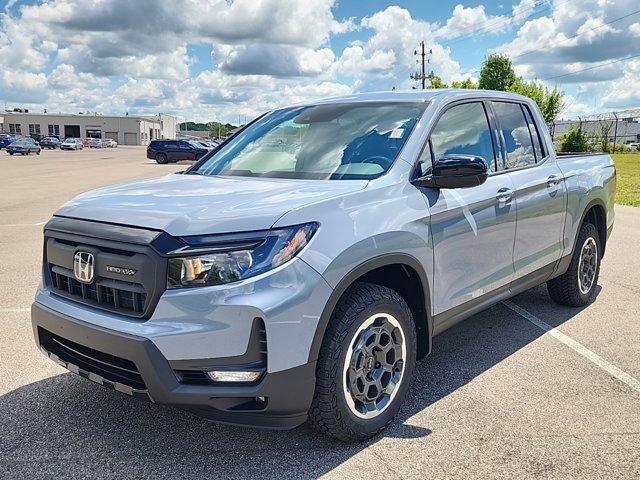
500, 397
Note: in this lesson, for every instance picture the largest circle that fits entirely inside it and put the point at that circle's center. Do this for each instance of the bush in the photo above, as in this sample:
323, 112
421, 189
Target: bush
574, 140
619, 148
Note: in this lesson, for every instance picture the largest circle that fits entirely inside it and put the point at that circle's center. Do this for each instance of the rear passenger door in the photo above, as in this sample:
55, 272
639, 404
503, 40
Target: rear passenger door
540, 193
472, 229
186, 151
172, 151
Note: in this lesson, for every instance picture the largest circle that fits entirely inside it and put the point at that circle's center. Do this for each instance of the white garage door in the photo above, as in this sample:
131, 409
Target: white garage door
130, 138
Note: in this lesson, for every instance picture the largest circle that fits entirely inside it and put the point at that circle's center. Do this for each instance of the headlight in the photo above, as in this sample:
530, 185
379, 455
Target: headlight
224, 263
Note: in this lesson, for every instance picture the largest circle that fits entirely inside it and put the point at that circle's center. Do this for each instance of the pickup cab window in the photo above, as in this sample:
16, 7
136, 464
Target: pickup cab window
463, 129
515, 132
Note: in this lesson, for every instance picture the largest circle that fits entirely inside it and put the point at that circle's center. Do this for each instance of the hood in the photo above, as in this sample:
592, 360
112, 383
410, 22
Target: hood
196, 205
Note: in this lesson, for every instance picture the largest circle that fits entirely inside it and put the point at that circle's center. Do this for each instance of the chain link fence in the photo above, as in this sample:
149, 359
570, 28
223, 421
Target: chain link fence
610, 132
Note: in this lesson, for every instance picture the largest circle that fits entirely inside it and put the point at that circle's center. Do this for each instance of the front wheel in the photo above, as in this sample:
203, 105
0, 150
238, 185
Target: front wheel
161, 158
577, 286
365, 364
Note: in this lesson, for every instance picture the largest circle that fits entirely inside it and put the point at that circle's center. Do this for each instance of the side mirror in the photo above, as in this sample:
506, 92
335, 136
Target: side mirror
455, 171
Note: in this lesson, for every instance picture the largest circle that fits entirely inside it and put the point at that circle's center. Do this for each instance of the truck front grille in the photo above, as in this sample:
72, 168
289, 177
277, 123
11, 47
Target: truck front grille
127, 278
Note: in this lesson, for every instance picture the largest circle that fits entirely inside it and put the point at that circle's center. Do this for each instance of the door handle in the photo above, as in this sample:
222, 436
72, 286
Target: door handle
504, 195
554, 180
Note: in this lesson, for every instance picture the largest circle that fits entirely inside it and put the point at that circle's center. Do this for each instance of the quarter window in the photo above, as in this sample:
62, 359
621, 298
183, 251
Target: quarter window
535, 133
463, 129
515, 131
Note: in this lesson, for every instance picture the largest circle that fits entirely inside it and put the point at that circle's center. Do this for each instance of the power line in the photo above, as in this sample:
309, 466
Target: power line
488, 25
592, 68
485, 26
566, 39
577, 34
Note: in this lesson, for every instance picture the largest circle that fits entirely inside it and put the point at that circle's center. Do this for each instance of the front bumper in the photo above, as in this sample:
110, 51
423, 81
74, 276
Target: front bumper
279, 400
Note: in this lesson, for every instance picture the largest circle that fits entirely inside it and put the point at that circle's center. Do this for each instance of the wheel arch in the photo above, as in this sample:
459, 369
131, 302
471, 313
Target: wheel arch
596, 214
594, 211
371, 271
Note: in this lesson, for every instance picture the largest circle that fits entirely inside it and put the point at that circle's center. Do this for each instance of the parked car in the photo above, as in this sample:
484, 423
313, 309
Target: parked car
86, 142
24, 146
634, 146
6, 139
203, 144
72, 144
50, 143
301, 270
110, 143
171, 151
97, 143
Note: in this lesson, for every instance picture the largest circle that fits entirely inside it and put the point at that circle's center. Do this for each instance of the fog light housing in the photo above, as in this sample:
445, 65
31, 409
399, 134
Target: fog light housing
234, 376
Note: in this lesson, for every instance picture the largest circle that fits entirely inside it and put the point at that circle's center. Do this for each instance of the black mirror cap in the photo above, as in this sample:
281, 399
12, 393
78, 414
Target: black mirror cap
456, 171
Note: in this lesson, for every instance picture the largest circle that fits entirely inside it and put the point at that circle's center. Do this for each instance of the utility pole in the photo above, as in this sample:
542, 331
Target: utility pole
422, 75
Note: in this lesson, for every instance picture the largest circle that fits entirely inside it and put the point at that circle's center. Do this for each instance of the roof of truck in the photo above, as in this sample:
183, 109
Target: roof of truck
418, 95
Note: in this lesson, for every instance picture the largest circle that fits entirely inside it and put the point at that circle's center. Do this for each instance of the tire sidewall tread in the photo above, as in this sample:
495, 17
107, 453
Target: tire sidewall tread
329, 411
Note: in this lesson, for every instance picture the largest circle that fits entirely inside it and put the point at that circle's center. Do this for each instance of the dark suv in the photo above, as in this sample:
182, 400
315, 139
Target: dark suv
171, 151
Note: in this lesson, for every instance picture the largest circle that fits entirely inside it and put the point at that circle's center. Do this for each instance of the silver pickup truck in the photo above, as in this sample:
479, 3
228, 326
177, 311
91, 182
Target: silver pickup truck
300, 270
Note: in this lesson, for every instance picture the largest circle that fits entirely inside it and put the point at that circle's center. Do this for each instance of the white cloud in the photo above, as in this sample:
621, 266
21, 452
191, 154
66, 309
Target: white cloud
466, 20
121, 55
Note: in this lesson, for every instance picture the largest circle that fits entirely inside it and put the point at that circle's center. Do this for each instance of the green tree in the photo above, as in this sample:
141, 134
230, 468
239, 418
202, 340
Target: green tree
436, 82
468, 84
550, 102
575, 140
219, 129
496, 73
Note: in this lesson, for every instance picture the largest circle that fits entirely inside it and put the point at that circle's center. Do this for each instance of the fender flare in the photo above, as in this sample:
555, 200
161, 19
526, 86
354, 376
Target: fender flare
359, 271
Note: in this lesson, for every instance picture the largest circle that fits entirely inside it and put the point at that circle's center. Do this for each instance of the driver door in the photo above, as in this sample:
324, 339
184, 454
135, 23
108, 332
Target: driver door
473, 229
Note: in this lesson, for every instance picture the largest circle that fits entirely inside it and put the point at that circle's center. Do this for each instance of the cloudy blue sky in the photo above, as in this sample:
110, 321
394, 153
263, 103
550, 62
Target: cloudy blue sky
221, 59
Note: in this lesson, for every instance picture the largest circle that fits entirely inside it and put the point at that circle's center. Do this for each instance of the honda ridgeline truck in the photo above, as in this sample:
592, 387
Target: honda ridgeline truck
302, 268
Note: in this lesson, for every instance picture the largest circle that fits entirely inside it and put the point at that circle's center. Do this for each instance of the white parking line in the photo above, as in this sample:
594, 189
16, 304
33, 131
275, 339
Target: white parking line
23, 224
576, 346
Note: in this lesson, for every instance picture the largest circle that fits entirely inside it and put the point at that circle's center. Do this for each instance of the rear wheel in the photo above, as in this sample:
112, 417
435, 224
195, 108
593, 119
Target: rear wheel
577, 286
161, 158
365, 365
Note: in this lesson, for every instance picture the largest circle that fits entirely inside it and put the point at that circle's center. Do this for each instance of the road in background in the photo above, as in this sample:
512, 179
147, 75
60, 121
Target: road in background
498, 398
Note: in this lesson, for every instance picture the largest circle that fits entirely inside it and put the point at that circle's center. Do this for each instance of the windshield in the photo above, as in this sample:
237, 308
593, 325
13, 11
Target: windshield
333, 141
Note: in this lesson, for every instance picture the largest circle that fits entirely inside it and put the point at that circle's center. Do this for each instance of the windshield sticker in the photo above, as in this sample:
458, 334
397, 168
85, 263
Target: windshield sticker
396, 133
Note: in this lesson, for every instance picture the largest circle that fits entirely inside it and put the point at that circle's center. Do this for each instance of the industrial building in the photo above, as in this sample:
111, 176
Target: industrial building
125, 129
617, 127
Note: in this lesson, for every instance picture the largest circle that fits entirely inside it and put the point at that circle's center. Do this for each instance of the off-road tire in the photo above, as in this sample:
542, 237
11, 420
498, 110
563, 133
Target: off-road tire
329, 412
565, 289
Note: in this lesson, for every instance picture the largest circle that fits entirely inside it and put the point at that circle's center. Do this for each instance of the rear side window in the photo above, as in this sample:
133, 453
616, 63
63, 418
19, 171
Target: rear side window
535, 134
463, 129
515, 131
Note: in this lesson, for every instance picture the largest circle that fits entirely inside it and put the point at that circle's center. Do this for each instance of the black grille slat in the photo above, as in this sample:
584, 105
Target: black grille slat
104, 370
127, 297
110, 367
193, 377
